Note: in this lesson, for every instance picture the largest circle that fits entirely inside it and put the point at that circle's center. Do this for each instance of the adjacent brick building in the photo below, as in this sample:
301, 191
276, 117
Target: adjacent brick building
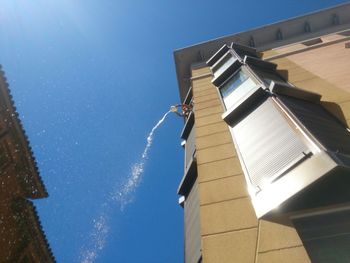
21, 236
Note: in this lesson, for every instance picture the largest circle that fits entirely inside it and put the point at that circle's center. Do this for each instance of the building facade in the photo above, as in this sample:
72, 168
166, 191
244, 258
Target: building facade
21, 236
267, 144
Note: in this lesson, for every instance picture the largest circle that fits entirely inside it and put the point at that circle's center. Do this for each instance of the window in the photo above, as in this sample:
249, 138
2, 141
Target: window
236, 88
223, 64
268, 144
312, 42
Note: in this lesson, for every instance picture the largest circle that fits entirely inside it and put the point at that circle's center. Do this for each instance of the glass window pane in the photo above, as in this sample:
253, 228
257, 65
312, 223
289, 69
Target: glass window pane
236, 88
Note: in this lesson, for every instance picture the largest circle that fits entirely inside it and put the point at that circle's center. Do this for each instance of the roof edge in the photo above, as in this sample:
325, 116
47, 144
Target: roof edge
263, 38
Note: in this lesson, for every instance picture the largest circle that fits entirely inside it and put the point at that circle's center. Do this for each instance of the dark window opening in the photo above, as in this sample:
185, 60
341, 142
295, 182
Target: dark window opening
312, 42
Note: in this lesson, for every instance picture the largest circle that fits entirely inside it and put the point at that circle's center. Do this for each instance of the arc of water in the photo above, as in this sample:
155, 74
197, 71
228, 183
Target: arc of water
123, 196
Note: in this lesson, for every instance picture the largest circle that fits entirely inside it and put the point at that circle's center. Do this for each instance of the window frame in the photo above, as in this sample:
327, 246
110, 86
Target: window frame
246, 70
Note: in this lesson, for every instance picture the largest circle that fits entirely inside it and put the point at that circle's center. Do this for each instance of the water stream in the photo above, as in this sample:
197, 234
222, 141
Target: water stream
125, 193
121, 196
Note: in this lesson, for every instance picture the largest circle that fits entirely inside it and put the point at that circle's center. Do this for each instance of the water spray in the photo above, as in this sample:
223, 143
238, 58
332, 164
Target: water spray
123, 194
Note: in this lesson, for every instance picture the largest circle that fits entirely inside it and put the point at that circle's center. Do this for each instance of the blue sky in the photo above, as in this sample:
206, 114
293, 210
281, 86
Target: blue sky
90, 79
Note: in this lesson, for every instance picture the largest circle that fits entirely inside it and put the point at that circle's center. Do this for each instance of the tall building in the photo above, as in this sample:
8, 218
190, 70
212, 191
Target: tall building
267, 148
21, 236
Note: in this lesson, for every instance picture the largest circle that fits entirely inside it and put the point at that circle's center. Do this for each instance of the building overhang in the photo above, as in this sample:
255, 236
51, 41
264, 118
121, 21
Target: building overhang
271, 36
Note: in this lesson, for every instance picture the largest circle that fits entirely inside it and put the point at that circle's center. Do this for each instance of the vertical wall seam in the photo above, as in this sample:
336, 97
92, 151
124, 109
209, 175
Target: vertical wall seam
257, 242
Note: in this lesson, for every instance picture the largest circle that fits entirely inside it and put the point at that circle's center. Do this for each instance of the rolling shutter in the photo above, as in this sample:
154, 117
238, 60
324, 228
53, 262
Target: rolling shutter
324, 126
268, 144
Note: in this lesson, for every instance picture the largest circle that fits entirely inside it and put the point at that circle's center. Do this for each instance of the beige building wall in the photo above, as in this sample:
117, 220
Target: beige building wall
223, 230
229, 228
323, 68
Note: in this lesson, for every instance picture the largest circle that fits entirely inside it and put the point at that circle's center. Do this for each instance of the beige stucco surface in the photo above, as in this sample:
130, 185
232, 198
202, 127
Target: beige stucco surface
219, 169
270, 234
227, 216
238, 246
229, 228
287, 255
323, 69
213, 140
215, 153
211, 129
221, 189
331, 63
